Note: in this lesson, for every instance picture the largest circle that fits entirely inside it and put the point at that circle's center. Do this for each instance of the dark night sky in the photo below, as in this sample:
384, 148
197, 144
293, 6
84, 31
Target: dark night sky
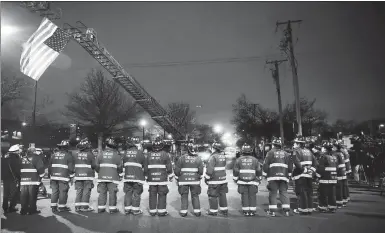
339, 50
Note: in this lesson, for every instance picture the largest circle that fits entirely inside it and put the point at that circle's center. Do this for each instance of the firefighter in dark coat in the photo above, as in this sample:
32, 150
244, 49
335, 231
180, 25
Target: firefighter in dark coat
32, 171
10, 174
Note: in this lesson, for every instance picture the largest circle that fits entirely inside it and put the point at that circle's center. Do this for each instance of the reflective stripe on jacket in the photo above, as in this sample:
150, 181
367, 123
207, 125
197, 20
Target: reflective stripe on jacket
303, 158
327, 169
189, 170
158, 168
84, 165
277, 165
341, 170
61, 166
109, 165
216, 169
32, 170
133, 163
247, 170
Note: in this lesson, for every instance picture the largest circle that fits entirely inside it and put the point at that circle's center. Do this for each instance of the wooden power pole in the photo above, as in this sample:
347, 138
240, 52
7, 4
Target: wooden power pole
275, 74
287, 44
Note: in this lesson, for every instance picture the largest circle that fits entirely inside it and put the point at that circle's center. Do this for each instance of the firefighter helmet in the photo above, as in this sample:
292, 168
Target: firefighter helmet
111, 142
64, 143
276, 141
192, 148
217, 146
246, 149
299, 139
158, 145
84, 144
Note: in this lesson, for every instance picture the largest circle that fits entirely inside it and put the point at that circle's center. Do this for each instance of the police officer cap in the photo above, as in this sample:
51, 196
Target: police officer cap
15, 148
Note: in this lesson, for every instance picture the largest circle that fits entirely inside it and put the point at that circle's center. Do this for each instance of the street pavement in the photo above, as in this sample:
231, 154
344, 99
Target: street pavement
365, 213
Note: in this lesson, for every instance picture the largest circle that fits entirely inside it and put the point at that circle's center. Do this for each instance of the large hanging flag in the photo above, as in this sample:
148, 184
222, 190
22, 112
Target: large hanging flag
42, 48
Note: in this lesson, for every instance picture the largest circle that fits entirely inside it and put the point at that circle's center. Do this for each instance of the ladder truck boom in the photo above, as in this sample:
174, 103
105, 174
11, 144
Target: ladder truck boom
87, 38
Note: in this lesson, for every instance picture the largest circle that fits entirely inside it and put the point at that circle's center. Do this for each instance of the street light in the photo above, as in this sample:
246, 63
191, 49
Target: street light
24, 124
143, 123
382, 125
169, 136
218, 128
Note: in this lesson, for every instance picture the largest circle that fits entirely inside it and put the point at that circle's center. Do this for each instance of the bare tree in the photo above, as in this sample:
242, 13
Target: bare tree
11, 88
101, 104
253, 121
204, 133
312, 118
183, 117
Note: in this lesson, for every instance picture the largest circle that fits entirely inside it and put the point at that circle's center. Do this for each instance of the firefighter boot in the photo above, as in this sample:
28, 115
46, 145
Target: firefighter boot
87, 209
212, 213
114, 211
270, 213
78, 209
137, 212
197, 214
54, 209
246, 213
64, 209
162, 214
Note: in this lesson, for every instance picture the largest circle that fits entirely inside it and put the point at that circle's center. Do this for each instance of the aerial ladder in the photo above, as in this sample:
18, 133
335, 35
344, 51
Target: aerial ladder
87, 38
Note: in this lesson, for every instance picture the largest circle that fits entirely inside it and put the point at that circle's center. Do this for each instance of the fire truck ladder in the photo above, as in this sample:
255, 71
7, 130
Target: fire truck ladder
87, 38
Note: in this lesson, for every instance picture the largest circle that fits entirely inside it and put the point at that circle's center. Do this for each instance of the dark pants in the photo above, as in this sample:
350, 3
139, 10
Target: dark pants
133, 192
327, 196
195, 191
217, 192
28, 198
83, 193
59, 194
339, 192
305, 194
248, 197
112, 189
42, 189
274, 186
158, 198
10, 194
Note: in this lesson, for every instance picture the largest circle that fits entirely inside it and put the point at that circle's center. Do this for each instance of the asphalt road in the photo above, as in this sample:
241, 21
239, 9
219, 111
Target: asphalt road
365, 213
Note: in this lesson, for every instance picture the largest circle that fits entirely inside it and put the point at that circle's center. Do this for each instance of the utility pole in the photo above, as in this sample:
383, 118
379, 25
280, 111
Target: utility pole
255, 121
275, 74
287, 44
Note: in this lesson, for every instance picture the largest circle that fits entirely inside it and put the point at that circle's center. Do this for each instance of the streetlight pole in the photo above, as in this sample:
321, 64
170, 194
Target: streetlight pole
143, 124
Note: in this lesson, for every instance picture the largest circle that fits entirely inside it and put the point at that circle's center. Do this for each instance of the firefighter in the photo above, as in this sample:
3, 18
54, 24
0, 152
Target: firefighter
341, 175
84, 175
348, 166
327, 175
305, 167
109, 166
32, 171
61, 171
247, 174
188, 173
215, 178
277, 168
158, 172
42, 189
10, 174
134, 163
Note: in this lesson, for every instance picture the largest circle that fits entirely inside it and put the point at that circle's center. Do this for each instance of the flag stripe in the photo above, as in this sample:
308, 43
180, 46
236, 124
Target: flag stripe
42, 48
45, 33
42, 28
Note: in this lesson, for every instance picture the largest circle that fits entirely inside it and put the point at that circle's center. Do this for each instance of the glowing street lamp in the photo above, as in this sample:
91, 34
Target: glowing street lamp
143, 123
169, 136
24, 124
382, 125
218, 128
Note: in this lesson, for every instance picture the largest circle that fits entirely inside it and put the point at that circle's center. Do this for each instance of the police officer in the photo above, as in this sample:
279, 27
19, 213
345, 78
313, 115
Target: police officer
32, 171
84, 175
341, 174
10, 174
134, 163
61, 171
188, 173
305, 167
277, 168
216, 180
247, 174
158, 170
327, 174
109, 166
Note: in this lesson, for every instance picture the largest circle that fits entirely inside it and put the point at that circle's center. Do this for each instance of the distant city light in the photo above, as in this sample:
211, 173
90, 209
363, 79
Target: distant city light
382, 125
77, 139
24, 123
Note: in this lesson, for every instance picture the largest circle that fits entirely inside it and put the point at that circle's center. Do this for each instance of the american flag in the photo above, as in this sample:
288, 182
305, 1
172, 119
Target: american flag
42, 48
